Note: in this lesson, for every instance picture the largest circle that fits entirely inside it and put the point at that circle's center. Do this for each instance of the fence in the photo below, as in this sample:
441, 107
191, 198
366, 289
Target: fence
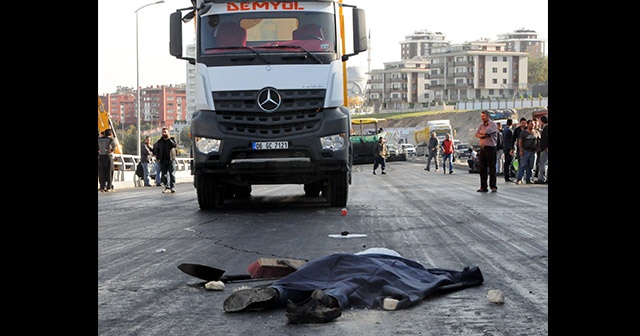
128, 162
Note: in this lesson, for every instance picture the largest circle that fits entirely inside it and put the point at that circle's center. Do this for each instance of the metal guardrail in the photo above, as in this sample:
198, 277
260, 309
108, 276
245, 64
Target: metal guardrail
128, 162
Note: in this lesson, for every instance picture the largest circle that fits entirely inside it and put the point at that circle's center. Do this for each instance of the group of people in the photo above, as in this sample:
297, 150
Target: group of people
447, 152
528, 143
164, 151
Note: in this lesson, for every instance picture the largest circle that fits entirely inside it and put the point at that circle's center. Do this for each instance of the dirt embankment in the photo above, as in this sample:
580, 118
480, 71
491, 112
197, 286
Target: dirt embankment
464, 123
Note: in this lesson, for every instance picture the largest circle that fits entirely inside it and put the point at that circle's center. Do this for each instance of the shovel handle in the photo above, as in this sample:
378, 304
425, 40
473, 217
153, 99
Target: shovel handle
234, 277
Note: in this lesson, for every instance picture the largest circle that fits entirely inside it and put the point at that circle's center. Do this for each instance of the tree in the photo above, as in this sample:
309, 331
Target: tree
538, 70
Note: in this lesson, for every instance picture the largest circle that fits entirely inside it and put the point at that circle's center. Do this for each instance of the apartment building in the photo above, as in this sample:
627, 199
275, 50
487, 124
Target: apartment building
160, 105
434, 71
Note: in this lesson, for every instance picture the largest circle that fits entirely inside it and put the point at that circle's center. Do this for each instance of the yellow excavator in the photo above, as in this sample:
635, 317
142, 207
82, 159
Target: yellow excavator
104, 122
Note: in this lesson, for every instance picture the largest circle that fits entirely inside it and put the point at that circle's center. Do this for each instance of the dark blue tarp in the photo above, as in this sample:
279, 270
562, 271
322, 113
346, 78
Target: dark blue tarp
365, 280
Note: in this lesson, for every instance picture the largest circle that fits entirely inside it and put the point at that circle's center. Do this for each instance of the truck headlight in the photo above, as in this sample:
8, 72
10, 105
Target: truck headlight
207, 145
333, 142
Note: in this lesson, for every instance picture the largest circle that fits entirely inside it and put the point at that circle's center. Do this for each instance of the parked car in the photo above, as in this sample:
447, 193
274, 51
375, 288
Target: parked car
410, 149
395, 154
461, 152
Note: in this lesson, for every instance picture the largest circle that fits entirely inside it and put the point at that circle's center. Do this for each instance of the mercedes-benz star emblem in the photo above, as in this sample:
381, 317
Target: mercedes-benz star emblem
269, 99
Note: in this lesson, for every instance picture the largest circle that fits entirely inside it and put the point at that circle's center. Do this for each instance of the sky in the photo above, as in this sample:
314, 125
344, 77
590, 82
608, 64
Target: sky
388, 23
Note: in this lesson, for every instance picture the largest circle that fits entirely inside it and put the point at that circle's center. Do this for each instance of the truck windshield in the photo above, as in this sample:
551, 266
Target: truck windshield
267, 33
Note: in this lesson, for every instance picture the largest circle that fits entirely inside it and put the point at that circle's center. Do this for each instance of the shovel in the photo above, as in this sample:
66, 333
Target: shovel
210, 273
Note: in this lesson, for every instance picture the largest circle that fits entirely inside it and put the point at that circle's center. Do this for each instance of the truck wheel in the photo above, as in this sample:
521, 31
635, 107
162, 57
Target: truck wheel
210, 193
312, 189
337, 189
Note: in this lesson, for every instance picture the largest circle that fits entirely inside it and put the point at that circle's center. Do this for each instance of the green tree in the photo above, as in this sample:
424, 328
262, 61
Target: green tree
538, 70
184, 137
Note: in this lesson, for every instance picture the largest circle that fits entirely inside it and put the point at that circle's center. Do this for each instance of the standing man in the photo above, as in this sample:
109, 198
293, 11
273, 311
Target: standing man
488, 134
507, 141
165, 150
544, 151
499, 150
379, 155
447, 153
106, 147
433, 151
516, 136
145, 157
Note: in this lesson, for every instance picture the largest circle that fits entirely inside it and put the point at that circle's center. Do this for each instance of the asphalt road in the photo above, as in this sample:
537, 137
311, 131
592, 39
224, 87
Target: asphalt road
436, 219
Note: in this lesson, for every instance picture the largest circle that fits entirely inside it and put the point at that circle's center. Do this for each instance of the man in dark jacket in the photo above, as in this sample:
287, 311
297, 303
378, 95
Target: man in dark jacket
434, 143
507, 143
544, 151
165, 152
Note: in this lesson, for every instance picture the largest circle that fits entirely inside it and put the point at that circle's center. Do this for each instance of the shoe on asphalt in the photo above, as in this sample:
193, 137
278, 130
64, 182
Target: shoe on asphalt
166, 191
437, 169
383, 173
529, 182
519, 182
172, 190
317, 308
427, 169
374, 172
494, 189
540, 182
482, 190
451, 172
251, 299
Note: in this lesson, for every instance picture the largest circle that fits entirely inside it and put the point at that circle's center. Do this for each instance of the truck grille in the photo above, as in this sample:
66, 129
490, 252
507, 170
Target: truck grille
238, 113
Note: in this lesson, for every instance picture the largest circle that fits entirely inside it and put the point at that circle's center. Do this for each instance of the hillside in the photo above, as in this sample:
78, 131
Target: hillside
463, 122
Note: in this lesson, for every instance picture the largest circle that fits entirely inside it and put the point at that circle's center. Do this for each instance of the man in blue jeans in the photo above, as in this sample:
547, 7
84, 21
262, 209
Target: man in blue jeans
165, 150
527, 147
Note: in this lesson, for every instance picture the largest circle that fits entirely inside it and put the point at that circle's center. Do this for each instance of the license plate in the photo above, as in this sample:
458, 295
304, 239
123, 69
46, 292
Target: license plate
268, 145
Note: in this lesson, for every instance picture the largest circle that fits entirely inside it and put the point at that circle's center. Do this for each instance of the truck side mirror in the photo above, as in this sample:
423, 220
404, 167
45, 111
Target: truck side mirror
175, 34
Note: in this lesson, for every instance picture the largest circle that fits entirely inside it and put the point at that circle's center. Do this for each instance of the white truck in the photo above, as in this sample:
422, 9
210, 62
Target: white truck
422, 136
270, 90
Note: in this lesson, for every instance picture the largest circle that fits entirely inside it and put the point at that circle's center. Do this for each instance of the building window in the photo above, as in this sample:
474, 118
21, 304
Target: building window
494, 81
504, 81
504, 70
494, 70
504, 58
494, 58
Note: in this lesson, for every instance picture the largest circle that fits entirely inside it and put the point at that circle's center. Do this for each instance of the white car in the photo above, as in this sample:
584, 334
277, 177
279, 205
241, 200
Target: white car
409, 149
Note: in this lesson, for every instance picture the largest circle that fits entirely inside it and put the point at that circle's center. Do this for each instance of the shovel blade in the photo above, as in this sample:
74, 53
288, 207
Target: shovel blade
201, 271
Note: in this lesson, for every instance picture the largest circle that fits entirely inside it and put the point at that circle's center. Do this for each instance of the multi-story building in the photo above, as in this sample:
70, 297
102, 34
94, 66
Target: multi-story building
420, 44
400, 85
477, 70
434, 71
160, 105
524, 40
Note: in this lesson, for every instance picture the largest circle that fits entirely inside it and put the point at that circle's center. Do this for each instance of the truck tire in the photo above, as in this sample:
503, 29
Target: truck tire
210, 193
337, 189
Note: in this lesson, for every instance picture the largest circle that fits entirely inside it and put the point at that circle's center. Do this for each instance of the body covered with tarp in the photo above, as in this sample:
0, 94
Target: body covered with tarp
364, 280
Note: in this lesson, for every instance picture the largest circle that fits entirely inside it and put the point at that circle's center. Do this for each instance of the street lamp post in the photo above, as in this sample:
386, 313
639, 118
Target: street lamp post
138, 71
